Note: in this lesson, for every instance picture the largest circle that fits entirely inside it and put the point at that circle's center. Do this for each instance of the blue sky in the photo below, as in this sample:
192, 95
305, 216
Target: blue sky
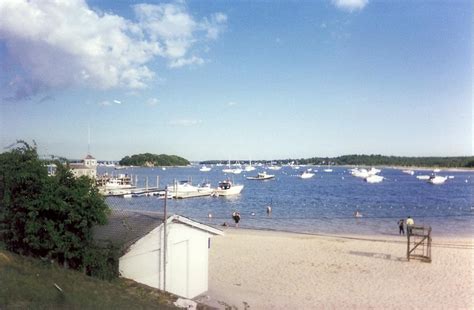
237, 79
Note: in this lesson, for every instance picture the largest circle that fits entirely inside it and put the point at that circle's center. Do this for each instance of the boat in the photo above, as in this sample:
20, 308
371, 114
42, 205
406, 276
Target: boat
249, 167
205, 169
306, 174
374, 178
114, 184
437, 179
328, 169
423, 177
232, 170
227, 188
262, 176
184, 189
410, 172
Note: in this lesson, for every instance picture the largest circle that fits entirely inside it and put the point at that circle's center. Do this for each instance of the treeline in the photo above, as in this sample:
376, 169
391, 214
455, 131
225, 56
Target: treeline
381, 160
148, 159
370, 160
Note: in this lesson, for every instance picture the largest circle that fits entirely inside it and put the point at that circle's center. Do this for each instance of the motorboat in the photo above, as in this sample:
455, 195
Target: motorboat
306, 174
205, 169
328, 170
423, 177
262, 176
274, 167
227, 188
437, 179
184, 189
374, 178
410, 172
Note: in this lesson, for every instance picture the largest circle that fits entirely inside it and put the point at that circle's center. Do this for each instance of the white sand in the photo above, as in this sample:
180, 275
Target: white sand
271, 270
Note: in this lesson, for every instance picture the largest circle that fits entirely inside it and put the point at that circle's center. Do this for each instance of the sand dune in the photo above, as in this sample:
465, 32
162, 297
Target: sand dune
273, 270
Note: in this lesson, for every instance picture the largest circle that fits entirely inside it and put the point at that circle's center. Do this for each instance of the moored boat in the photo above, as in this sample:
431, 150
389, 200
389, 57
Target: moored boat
306, 174
262, 176
437, 179
227, 188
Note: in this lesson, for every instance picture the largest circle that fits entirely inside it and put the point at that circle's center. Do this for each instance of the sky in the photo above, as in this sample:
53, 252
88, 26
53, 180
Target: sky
237, 79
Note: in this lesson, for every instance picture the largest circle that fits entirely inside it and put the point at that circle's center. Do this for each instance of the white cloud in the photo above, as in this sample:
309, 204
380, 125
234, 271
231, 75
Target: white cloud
117, 101
180, 62
185, 122
152, 102
58, 44
231, 103
350, 5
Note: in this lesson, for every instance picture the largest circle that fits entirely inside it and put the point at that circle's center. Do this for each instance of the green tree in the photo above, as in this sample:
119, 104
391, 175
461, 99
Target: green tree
47, 216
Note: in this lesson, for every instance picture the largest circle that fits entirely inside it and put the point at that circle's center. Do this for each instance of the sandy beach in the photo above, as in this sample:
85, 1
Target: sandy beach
251, 269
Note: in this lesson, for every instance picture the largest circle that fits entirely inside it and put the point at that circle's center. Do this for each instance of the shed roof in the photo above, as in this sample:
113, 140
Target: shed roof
125, 227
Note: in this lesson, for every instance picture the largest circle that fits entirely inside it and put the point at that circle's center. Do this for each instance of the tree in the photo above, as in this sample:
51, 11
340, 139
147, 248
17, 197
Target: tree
47, 216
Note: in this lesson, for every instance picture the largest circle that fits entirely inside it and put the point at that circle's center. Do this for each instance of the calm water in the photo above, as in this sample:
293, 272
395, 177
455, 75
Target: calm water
322, 204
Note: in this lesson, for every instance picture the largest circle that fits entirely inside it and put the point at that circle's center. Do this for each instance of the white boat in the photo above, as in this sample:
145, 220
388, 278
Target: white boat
249, 167
436, 179
183, 189
410, 172
436, 170
227, 188
262, 176
205, 169
374, 178
373, 171
306, 174
328, 170
423, 177
274, 167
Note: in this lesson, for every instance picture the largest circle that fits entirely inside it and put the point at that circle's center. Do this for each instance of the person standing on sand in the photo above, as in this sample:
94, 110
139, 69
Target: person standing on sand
410, 223
236, 217
401, 230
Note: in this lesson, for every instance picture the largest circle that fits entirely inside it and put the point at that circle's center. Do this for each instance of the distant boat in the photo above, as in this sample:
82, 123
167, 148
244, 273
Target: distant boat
423, 177
205, 169
436, 170
262, 176
410, 172
227, 188
374, 178
306, 174
249, 167
328, 169
436, 179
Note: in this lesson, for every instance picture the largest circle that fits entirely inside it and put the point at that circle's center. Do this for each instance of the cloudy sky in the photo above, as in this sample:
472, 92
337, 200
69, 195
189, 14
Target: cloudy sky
237, 79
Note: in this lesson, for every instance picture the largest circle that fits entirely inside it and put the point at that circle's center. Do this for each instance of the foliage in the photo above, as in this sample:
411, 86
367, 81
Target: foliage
47, 216
372, 160
148, 159
102, 261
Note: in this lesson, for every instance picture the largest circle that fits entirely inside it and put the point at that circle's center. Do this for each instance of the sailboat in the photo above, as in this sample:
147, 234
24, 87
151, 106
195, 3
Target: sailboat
328, 169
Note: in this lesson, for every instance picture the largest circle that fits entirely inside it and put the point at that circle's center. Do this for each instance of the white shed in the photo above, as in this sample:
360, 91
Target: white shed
141, 236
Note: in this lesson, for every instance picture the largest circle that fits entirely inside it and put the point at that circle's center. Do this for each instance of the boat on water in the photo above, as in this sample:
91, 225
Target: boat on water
374, 178
262, 176
184, 189
114, 184
410, 172
307, 174
205, 169
328, 170
227, 188
437, 179
423, 177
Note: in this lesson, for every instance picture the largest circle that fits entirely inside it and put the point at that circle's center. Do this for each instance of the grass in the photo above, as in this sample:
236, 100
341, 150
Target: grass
26, 283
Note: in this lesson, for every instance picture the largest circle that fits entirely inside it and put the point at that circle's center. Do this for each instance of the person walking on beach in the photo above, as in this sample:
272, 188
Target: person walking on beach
236, 217
410, 222
401, 230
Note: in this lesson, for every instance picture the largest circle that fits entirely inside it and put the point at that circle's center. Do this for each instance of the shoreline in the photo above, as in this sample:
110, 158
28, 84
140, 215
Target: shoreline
254, 269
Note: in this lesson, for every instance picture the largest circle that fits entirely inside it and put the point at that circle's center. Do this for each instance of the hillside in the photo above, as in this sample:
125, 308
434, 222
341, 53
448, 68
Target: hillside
30, 284
150, 160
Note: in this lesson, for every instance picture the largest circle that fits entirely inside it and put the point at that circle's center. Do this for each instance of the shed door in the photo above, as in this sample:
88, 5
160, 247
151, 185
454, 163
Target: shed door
178, 270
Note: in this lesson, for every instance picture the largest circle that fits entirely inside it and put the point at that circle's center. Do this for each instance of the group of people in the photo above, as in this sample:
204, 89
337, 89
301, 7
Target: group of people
409, 222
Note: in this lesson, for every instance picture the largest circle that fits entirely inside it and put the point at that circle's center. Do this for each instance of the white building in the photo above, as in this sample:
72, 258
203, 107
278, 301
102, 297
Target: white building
141, 237
88, 167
